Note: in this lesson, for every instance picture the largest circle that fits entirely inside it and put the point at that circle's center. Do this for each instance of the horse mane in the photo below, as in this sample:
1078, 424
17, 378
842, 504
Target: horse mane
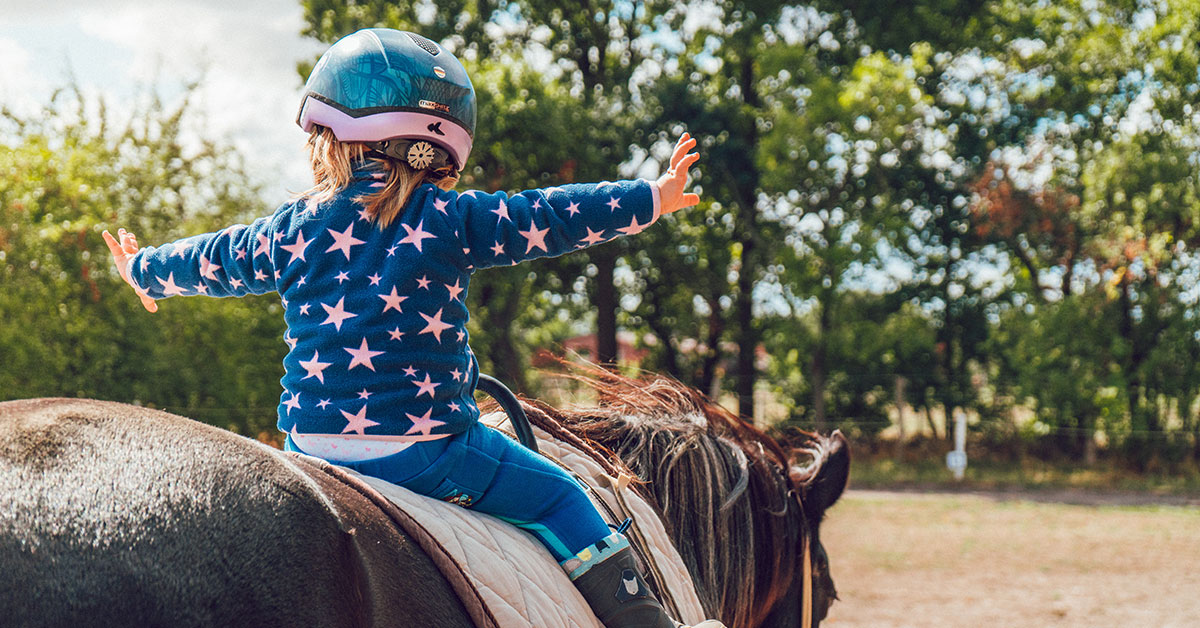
725, 488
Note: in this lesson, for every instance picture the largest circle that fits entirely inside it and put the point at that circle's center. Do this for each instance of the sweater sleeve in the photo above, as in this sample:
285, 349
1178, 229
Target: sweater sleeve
234, 261
499, 230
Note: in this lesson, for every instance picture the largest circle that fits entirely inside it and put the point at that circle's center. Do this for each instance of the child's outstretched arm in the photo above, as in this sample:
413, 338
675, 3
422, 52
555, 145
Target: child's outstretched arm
497, 230
235, 261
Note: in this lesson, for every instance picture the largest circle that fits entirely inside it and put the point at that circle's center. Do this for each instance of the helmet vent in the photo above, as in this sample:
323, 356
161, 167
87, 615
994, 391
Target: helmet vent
425, 44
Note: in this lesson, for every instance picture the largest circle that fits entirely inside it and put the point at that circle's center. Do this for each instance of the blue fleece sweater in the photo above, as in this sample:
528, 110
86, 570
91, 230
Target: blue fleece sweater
377, 317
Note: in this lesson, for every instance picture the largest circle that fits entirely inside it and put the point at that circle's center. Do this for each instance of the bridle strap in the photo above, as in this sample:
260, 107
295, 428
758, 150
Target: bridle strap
806, 608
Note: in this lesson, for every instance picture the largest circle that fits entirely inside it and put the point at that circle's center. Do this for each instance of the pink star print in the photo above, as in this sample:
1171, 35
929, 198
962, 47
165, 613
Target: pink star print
426, 387
337, 314
536, 237
395, 334
297, 248
374, 279
593, 237
454, 290
342, 276
498, 248
435, 326
633, 227
392, 300
423, 282
323, 403
200, 288
358, 421
440, 204
362, 356
502, 211
264, 246
423, 423
314, 367
181, 249
410, 372
168, 285
208, 269
294, 402
259, 275
573, 208
415, 236
304, 309
343, 241
613, 203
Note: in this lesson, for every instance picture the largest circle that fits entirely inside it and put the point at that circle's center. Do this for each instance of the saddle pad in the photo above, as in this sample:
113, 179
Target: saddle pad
517, 579
675, 577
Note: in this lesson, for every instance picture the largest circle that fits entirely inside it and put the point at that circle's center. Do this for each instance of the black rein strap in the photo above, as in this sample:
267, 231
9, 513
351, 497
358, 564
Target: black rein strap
508, 402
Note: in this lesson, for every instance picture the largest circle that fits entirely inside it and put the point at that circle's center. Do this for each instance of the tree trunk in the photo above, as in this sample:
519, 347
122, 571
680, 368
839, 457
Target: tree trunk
605, 258
820, 367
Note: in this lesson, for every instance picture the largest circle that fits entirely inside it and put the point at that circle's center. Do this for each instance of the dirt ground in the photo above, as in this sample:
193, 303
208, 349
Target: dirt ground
977, 561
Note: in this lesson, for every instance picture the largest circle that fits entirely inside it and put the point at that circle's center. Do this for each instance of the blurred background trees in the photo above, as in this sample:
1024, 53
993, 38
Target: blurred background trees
908, 208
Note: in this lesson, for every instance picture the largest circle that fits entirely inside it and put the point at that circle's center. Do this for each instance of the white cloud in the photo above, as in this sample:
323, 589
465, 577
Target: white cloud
244, 54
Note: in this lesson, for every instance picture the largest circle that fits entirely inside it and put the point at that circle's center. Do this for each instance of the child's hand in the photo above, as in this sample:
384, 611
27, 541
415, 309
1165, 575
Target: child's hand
121, 253
671, 183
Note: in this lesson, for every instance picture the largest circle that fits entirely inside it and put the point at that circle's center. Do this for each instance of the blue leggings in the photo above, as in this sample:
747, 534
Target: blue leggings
484, 470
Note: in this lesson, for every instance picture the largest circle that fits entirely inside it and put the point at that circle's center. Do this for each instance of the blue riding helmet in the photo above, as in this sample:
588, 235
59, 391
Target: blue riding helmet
399, 92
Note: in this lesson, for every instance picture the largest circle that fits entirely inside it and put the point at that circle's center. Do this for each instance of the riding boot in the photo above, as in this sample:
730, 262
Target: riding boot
606, 574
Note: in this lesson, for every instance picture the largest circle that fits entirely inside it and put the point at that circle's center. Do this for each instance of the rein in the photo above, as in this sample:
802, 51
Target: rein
806, 609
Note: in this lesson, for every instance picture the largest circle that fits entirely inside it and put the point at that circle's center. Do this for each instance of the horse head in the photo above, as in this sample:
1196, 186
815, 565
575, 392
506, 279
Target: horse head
818, 473
743, 514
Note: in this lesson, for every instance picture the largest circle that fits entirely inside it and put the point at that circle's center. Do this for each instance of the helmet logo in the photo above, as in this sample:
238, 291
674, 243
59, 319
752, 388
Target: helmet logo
439, 71
436, 127
429, 104
420, 155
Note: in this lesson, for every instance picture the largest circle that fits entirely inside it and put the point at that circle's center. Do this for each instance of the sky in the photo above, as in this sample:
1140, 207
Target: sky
244, 53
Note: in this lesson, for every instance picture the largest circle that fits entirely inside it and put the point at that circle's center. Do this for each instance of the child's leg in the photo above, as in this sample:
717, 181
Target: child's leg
533, 493
502, 478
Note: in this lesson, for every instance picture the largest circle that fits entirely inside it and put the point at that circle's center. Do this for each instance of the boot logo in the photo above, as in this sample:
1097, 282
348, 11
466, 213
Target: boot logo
631, 584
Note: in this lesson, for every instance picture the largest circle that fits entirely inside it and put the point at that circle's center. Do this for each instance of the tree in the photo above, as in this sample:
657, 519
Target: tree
72, 327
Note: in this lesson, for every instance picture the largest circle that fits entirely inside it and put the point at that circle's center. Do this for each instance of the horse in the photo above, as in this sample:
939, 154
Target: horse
112, 514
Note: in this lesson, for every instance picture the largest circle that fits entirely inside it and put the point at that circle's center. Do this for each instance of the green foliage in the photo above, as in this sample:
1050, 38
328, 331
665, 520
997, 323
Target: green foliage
72, 327
990, 205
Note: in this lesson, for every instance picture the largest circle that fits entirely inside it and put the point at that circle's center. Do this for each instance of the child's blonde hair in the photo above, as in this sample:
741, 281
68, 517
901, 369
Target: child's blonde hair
332, 165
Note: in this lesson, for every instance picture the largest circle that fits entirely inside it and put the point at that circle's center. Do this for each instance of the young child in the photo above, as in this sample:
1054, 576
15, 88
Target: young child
372, 265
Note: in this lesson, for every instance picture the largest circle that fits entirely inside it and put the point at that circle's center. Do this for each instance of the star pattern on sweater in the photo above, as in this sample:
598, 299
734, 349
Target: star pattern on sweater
337, 314
413, 320
535, 238
415, 236
362, 356
296, 248
343, 241
393, 300
358, 421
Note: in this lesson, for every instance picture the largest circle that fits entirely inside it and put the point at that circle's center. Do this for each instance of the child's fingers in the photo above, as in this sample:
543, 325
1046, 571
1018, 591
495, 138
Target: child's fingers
687, 161
680, 153
150, 304
113, 246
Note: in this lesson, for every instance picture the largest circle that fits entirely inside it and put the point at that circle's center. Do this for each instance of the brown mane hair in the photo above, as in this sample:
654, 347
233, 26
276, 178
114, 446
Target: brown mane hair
727, 490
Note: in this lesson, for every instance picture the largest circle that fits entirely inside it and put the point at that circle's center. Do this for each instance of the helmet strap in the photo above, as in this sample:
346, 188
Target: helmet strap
418, 154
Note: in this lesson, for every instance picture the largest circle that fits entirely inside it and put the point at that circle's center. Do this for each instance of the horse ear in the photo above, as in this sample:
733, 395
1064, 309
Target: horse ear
832, 476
